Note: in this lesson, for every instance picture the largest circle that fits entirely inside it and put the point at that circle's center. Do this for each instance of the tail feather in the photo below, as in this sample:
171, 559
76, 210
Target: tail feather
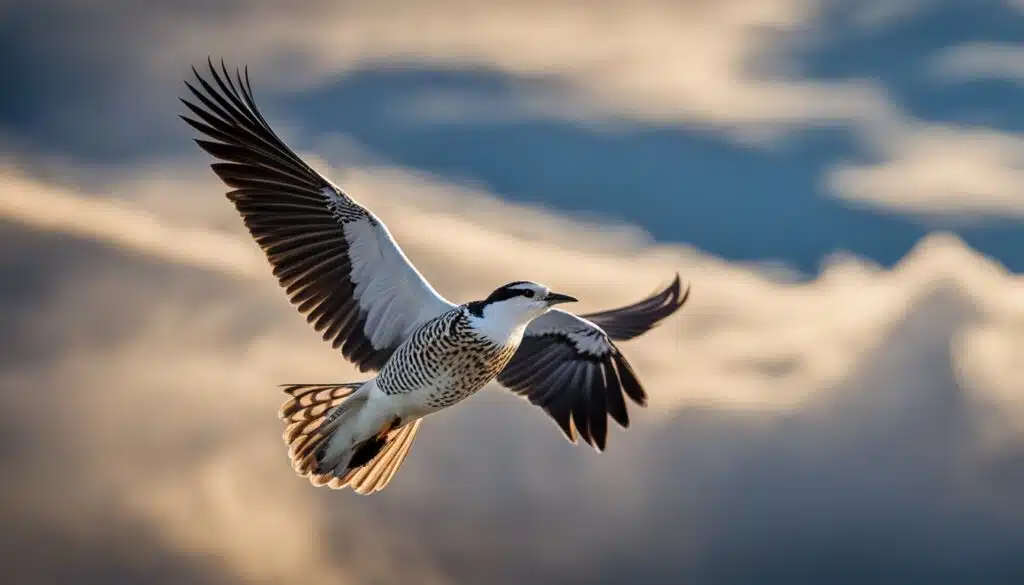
314, 414
311, 414
309, 402
376, 474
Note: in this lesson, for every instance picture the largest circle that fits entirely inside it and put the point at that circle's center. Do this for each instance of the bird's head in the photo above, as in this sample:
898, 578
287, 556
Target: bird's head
520, 302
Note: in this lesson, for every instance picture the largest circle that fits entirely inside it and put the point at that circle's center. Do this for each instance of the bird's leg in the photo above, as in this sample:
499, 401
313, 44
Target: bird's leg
368, 449
395, 423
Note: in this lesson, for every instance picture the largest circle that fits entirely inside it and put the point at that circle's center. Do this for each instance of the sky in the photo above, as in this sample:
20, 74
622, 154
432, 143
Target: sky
837, 180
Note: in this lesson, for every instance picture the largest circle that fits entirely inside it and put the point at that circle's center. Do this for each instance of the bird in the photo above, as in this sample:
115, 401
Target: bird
340, 266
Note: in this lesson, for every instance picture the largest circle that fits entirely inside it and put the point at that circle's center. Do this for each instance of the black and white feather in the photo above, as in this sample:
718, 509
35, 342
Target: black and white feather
336, 260
570, 366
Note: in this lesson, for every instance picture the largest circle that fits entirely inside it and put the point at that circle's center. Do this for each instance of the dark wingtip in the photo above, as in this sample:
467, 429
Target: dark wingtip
631, 321
686, 295
680, 295
600, 441
675, 297
565, 425
674, 289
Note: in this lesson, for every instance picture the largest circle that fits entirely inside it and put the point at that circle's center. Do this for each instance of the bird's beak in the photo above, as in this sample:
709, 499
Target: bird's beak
554, 298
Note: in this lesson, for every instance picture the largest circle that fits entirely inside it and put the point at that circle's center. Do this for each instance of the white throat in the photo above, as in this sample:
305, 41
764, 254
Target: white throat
501, 323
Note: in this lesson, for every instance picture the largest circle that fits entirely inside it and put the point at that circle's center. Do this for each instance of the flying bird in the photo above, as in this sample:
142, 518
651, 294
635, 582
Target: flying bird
342, 269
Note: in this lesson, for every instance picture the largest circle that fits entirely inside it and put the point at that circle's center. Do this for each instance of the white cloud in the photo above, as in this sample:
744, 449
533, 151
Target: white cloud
979, 61
122, 223
943, 172
878, 14
700, 64
695, 63
720, 64
940, 171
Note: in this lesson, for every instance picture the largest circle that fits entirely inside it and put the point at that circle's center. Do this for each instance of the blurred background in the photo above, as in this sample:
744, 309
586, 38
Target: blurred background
841, 181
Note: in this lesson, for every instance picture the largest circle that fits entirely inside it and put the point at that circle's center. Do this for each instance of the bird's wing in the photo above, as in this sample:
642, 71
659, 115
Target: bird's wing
570, 366
335, 259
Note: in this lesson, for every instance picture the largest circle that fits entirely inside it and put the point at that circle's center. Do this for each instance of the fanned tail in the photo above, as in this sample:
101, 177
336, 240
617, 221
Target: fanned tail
375, 475
322, 443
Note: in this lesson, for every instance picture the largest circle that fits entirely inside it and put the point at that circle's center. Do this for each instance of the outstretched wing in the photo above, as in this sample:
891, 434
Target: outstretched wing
336, 261
569, 365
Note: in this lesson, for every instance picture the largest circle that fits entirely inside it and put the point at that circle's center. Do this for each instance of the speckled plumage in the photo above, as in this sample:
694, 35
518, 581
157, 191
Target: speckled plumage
446, 360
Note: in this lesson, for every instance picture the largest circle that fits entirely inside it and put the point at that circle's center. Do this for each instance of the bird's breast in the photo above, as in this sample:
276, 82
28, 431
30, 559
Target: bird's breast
444, 364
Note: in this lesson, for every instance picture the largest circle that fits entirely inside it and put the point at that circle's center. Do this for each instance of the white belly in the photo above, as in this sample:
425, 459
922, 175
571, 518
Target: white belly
443, 363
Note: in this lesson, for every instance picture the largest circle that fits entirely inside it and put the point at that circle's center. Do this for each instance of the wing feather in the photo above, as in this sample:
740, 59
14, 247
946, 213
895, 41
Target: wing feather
624, 323
570, 366
336, 261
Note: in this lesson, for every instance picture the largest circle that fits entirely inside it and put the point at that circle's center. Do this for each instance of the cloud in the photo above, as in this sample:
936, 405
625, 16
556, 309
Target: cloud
729, 66
879, 14
719, 64
940, 171
944, 172
46, 207
454, 108
980, 61
862, 425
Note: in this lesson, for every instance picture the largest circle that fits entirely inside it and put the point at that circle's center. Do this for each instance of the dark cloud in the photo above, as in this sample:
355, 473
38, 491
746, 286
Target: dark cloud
125, 463
35, 548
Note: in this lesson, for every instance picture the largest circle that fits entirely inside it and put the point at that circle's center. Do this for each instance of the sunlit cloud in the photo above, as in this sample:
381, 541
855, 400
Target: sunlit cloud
980, 61
181, 401
718, 64
934, 170
50, 208
726, 66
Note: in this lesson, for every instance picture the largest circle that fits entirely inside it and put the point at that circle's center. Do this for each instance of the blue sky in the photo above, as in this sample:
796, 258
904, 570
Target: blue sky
683, 181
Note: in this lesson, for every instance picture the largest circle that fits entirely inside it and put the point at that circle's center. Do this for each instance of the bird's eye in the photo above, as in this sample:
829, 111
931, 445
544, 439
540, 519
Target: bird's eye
528, 294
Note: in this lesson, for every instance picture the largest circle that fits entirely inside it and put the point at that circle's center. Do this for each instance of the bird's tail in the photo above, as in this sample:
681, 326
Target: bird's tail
325, 442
